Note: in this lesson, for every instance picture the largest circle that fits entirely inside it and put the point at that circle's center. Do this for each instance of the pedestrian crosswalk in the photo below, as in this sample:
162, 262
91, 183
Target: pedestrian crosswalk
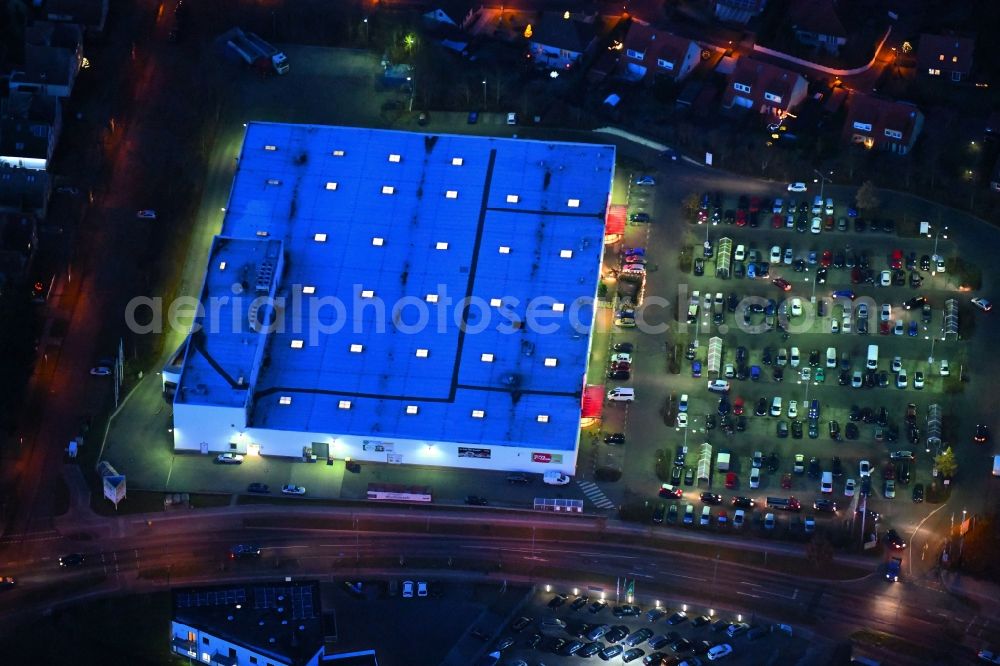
595, 495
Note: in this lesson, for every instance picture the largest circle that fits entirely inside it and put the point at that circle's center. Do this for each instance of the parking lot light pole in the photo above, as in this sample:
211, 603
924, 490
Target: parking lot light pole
823, 180
484, 94
940, 234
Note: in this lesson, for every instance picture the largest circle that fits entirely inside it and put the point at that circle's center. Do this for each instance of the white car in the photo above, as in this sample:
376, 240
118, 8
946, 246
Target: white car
100, 371
806, 373
645, 180
901, 378
794, 358
897, 364
793, 409
621, 357
778, 206
845, 323
817, 206
421, 589
797, 187
864, 468
857, 380
849, 488
512, 118
740, 253
146, 214
829, 206
682, 404
885, 279
939, 264
738, 518
292, 489
555, 478
918, 380
796, 307
682, 420
775, 254
789, 256
229, 459
834, 326
886, 313
755, 477
898, 328
816, 225
718, 386
407, 589
982, 304
945, 368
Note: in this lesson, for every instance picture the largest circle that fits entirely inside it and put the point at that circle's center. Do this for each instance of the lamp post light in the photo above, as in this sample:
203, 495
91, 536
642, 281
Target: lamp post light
484, 94
823, 180
365, 21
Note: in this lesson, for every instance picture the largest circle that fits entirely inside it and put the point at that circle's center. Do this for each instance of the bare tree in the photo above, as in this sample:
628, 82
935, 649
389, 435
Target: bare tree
867, 197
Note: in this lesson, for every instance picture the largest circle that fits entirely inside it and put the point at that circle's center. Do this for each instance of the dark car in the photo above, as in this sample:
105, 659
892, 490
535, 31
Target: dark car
772, 462
71, 560
590, 649
677, 618
825, 505
761, 409
782, 429
476, 500
699, 266
797, 429
626, 347
579, 603
616, 634
557, 601
518, 479
598, 606
894, 541
834, 430
918, 492
610, 652
838, 467
258, 488
243, 551
520, 623
621, 375
711, 498
614, 438
626, 610
814, 470
632, 655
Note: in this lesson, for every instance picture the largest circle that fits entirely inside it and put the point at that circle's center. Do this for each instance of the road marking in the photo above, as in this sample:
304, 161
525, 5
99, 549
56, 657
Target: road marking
595, 494
747, 594
703, 580
288, 547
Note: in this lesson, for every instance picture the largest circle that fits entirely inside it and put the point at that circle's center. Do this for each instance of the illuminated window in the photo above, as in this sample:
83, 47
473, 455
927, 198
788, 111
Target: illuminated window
513, 198
412, 409
422, 353
551, 362
478, 413
320, 238
388, 189
367, 293
558, 307
542, 418
941, 57
486, 358
262, 233
451, 194
273, 181
441, 245
432, 298
297, 344
565, 254
457, 161
285, 400
344, 404
357, 348
394, 158
338, 153
308, 289
504, 249
270, 147
954, 58
331, 185
378, 242
222, 265
495, 302
573, 203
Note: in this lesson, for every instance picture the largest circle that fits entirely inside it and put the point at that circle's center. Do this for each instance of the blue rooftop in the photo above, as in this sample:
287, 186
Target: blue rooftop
398, 228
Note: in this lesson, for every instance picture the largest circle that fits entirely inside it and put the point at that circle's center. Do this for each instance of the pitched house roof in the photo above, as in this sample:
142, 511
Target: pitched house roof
89, 13
23, 190
561, 33
818, 17
946, 52
881, 114
58, 35
762, 78
656, 44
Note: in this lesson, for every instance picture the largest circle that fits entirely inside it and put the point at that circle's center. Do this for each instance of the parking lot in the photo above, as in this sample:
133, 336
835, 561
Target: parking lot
832, 353
558, 627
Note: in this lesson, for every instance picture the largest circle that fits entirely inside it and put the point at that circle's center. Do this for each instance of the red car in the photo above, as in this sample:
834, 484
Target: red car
754, 204
738, 406
896, 259
778, 221
884, 328
855, 275
667, 490
826, 259
741, 218
730, 480
786, 480
782, 283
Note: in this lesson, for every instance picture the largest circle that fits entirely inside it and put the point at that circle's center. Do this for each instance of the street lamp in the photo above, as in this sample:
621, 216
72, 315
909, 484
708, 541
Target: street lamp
484, 93
823, 180
365, 21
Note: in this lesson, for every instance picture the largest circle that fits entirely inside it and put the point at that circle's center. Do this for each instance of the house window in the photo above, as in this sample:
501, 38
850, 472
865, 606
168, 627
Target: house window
204, 640
19, 146
864, 127
457, 161
270, 148
665, 64
771, 97
934, 72
412, 409
635, 55
893, 134
954, 59
253, 659
542, 418
941, 57
742, 87
956, 76
331, 185
513, 198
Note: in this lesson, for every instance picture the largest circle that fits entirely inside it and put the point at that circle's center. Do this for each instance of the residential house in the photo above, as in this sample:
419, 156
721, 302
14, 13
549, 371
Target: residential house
816, 23
558, 41
90, 14
256, 624
882, 124
18, 240
30, 124
24, 191
738, 11
440, 17
763, 88
649, 53
53, 54
945, 56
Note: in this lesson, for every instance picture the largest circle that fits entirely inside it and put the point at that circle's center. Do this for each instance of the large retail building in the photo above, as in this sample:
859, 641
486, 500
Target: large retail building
399, 297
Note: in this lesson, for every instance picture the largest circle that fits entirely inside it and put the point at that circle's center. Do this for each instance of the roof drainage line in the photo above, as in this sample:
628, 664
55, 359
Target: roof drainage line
198, 337
504, 389
477, 246
550, 213
286, 390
